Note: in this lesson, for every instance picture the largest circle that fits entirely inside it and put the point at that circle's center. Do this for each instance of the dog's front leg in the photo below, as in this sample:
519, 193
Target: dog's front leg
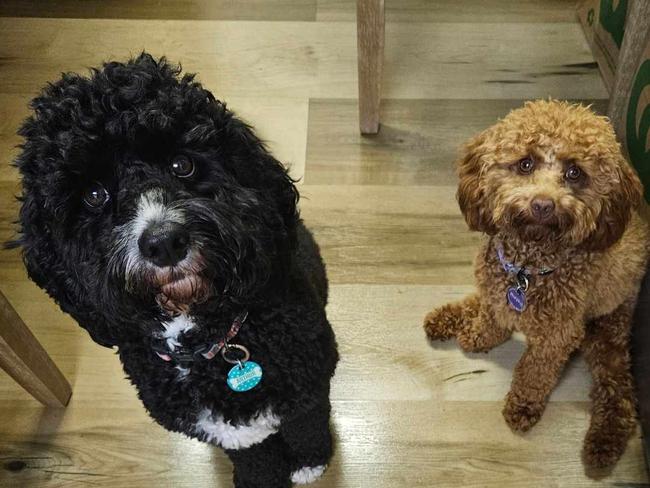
262, 465
613, 415
537, 373
309, 440
470, 321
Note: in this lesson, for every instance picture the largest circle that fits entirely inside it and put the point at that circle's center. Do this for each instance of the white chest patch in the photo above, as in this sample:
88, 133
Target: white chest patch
182, 372
176, 327
229, 436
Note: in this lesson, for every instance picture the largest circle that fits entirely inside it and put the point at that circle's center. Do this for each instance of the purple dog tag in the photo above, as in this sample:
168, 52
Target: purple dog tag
516, 298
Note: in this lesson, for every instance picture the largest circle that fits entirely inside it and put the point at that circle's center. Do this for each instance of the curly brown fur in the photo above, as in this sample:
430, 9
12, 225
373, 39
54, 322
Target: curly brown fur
519, 185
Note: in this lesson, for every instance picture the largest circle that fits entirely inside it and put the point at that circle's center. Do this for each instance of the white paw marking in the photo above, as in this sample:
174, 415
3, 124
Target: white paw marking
307, 474
229, 436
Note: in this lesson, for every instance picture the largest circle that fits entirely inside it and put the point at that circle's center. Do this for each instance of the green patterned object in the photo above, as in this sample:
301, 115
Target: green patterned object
637, 135
613, 20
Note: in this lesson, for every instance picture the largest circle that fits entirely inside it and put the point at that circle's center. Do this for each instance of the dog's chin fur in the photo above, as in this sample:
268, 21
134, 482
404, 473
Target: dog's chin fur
525, 228
178, 294
176, 288
539, 233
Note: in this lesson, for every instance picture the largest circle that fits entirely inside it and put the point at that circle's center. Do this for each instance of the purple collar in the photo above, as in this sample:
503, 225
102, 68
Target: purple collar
512, 268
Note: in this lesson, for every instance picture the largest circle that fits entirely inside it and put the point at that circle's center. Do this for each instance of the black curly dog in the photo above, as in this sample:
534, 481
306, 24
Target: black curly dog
161, 224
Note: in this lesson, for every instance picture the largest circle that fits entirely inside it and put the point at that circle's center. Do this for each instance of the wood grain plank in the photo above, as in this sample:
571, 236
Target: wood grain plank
322, 10
390, 234
165, 9
316, 60
373, 337
8, 213
466, 60
418, 143
405, 413
477, 455
395, 422
281, 123
500, 11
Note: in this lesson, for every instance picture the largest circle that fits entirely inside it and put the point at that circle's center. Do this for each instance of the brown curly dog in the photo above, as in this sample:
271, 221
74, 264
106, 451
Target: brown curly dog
562, 261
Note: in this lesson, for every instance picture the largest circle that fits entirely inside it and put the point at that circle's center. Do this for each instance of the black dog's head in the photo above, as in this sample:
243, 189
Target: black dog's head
144, 194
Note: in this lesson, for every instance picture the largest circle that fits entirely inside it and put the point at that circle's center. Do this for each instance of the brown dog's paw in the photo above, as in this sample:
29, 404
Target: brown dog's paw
441, 323
522, 414
603, 449
469, 342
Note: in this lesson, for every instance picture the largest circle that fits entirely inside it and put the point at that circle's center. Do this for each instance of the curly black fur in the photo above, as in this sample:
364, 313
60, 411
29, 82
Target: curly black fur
122, 126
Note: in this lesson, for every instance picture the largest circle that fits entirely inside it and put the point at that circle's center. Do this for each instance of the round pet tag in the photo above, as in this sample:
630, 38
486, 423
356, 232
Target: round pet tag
244, 377
516, 298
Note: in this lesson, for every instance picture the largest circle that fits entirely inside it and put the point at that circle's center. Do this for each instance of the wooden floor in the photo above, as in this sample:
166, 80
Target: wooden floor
406, 414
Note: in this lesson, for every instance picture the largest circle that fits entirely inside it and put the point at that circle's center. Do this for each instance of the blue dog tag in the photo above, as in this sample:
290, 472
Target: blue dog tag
516, 297
244, 377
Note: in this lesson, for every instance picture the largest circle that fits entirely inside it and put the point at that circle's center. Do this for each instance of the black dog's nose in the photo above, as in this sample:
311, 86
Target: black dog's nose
542, 208
164, 244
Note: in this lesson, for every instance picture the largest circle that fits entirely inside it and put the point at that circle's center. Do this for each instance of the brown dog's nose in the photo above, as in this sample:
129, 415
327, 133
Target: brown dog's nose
542, 208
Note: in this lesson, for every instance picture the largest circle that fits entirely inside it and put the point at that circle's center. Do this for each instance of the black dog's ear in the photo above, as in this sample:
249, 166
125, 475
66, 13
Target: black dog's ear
49, 273
42, 254
94, 323
274, 178
256, 168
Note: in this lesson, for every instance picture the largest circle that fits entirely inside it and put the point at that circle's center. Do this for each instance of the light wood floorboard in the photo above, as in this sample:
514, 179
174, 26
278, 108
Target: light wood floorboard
406, 413
163, 9
457, 11
417, 145
316, 60
322, 10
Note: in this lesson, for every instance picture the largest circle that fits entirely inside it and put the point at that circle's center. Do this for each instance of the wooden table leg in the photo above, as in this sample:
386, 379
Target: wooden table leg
23, 357
635, 40
370, 55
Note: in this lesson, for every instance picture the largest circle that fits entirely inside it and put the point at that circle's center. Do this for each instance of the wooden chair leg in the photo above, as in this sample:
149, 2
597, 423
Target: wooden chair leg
23, 357
370, 54
635, 40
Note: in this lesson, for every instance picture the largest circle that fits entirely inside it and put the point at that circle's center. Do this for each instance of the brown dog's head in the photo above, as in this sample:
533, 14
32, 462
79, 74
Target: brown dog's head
549, 171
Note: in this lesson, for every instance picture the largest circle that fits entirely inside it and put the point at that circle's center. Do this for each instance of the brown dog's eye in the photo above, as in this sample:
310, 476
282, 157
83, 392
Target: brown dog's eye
96, 196
525, 166
182, 166
573, 173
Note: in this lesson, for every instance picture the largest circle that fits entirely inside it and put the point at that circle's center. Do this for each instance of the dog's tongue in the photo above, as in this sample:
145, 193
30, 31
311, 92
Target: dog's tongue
176, 296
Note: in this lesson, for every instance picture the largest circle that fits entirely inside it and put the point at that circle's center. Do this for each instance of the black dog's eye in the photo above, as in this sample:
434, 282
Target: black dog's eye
182, 166
96, 195
573, 173
525, 166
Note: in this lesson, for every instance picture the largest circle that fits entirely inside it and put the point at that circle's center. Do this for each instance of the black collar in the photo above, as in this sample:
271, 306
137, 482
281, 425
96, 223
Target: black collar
184, 356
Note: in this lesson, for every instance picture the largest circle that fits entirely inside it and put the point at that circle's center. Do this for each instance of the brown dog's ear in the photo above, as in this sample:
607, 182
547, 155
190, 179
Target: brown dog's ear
617, 208
470, 195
